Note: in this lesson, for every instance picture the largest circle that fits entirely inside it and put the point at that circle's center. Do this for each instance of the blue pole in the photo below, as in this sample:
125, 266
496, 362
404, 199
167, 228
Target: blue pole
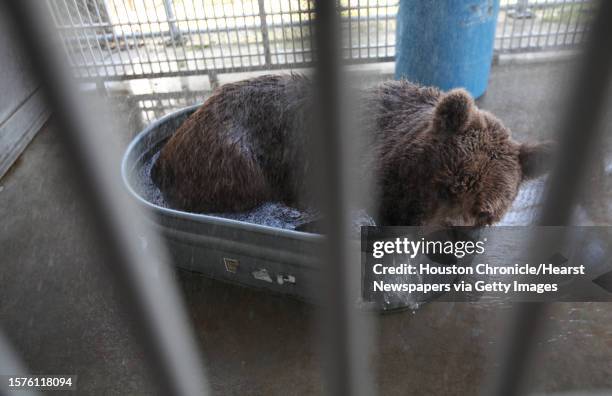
446, 43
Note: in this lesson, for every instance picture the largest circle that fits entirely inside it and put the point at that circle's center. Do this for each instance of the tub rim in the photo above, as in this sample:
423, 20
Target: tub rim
197, 217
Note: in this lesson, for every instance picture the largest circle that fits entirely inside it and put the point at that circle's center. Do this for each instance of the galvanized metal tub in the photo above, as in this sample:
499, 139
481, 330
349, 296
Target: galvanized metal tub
233, 251
253, 255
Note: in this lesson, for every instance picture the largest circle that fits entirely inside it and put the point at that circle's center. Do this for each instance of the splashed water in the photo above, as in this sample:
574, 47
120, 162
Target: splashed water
525, 208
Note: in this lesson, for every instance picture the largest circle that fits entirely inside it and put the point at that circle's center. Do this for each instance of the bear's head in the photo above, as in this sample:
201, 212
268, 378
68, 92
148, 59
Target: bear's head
478, 167
465, 168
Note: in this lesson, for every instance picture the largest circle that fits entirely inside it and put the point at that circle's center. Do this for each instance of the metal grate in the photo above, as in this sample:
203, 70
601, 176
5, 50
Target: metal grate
147, 108
125, 39
536, 25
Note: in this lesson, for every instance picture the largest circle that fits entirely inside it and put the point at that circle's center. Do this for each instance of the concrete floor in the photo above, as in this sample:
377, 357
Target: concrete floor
64, 316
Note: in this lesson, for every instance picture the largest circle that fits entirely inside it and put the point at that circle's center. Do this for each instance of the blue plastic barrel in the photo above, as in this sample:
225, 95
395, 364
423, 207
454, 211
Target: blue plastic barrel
446, 43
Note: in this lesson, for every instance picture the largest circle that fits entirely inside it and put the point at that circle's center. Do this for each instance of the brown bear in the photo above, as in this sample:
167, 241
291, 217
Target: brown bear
435, 157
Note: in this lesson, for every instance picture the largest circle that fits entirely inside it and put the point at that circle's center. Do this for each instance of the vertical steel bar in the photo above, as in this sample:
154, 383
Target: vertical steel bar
301, 27
502, 43
368, 26
512, 37
228, 36
153, 40
133, 37
259, 47
530, 35
239, 20
84, 33
577, 27
236, 30
561, 14
523, 19
141, 275
291, 35
377, 27
127, 47
140, 24
264, 32
345, 341
118, 48
281, 15
78, 42
218, 33
211, 70
350, 29
91, 23
63, 38
521, 6
181, 39
549, 26
327, 142
174, 29
358, 29
387, 22
165, 47
200, 37
568, 29
311, 28
581, 131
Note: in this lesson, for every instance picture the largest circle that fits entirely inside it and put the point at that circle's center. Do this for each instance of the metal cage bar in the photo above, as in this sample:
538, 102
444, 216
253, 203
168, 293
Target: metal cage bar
328, 185
143, 275
580, 134
169, 339
346, 338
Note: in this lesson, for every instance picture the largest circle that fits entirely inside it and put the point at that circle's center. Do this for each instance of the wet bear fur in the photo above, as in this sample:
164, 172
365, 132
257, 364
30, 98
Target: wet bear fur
436, 158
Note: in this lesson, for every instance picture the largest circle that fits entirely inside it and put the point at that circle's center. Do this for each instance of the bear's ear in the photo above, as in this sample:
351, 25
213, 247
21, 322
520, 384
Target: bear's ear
535, 158
453, 112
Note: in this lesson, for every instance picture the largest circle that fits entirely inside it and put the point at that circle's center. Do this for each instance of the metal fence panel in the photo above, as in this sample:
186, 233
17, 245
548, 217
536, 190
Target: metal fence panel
125, 39
535, 25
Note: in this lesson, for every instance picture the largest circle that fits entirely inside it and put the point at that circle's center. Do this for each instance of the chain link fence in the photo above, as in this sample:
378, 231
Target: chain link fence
126, 39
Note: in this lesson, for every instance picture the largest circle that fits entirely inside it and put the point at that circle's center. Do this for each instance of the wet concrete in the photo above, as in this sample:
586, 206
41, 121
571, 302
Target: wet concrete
64, 316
